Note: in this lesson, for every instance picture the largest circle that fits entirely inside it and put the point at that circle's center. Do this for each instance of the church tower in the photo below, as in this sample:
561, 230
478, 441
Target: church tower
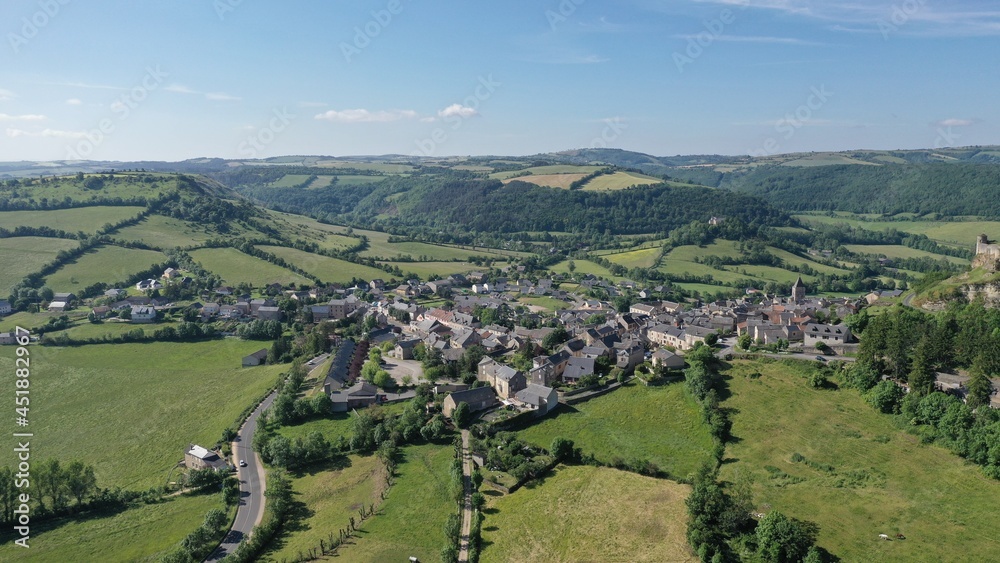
798, 290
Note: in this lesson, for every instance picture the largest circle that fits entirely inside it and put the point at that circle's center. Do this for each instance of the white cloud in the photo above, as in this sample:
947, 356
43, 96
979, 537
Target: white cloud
6, 95
955, 122
14, 133
213, 96
74, 102
365, 116
28, 117
459, 110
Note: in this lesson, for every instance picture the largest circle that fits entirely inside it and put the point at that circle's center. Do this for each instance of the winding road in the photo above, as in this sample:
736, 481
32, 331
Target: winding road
252, 484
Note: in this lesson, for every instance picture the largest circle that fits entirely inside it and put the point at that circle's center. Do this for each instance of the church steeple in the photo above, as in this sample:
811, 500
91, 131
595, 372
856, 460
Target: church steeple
798, 290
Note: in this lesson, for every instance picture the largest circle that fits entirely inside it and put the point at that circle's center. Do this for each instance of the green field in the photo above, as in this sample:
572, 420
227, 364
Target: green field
144, 533
385, 167
131, 410
235, 267
550, 304
660, 424
410, 522
645, 258
291, 180
332, 494
561, 181
723, 248
307, 228
165, 232
582, 513
85, 219
768, 273
23, 255
962, 233
585, 267
620, 181
671, 266
330, 270
380, 247
796, 260
704, 289
355, 180
883, 480
899, 251
339, 424
425, 270
547, 170
108, 264
84, 329
826, 160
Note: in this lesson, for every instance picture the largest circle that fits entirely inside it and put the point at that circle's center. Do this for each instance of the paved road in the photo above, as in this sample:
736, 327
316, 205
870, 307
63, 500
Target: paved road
252, 485
463, 545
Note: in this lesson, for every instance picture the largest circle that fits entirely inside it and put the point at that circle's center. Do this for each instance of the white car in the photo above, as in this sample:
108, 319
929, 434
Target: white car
243, 463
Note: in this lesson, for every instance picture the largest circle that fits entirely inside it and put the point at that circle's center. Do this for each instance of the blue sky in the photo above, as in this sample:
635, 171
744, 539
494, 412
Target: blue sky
170, 80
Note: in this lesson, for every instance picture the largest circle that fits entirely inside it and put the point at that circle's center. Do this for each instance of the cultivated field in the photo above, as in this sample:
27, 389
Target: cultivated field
410, 522
85, 219
582, 513
235, 267
330, 270
132, 409
620, 181
879, 480
21, 256
144, 533
332, 493
562, 181
659, 424
104, 264
547, 170
645, 258
796, 260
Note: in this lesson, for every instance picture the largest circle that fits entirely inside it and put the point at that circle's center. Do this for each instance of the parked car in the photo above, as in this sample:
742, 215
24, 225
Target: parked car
821, 358
243, 463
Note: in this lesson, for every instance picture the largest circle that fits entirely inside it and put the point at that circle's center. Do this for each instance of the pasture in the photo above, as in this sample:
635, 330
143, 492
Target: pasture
582, 513
108, 264
961, 233
235, 267
561, 181
165, 232
143, 533
23, 255
80, 219
425, 270
659, 424
644, 258
132, 409
584, 267
330, 270
411, 520
899, 251
331, 493
867, 476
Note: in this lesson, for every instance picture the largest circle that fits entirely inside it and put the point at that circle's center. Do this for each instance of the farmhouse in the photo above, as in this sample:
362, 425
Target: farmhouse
58, 306
149, 285
197, 457
5, 307
478, 399
143, 314
67, 297
255, 359
7, 339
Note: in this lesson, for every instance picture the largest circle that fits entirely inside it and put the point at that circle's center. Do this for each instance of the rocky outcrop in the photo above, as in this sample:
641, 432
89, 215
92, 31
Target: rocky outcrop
988, 292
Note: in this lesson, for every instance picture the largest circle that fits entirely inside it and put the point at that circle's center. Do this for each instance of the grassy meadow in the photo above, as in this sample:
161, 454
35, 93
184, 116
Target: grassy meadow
643, 258
620, 181
661, 424
132, 409
102, 264
165, 232
331, 270
880, 479
410, 522
235, 267
78, 219
144, 533
582, 513
23, 255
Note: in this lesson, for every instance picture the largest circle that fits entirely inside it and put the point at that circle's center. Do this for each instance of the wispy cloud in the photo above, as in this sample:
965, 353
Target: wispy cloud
554, 48
86, 85
54, 133
6, 95
921, 18
28, 117
213, 96
74, 102
757, 39
366, 116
